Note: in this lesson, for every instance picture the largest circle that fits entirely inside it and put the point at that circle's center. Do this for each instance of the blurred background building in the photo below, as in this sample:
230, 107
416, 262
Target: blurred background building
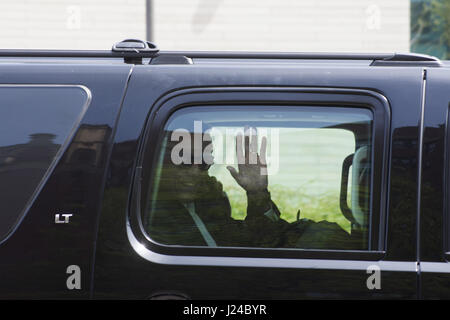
282, 25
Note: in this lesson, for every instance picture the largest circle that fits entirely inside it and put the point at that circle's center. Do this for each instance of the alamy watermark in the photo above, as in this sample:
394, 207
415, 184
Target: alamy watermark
227, 146
374, 280
74, 279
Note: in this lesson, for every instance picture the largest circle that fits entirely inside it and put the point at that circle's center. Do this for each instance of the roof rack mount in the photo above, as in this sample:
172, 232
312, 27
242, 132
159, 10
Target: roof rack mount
133, 50
408, 59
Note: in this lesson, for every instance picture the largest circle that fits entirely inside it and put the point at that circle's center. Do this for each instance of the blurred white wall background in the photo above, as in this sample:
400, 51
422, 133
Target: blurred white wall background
281, 25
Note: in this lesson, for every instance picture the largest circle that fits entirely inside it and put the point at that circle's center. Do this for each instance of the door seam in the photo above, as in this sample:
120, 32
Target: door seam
419, 184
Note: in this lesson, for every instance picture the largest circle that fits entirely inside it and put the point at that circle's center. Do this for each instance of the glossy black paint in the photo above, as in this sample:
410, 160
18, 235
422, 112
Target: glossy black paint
96, 185
121, 273
434, 218
30, 141
35, 257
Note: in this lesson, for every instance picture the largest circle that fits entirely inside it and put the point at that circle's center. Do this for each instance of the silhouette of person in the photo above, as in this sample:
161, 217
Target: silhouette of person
192, 209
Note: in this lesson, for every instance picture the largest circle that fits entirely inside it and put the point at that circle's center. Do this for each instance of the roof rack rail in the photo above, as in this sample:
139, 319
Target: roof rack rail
277, 55
381, 59
134, 50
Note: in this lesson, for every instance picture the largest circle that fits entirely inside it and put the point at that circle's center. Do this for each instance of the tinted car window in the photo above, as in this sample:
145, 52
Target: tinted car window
35, 121
263, 177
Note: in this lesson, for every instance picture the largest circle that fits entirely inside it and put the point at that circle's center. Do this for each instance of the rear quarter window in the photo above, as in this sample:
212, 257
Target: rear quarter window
36, 122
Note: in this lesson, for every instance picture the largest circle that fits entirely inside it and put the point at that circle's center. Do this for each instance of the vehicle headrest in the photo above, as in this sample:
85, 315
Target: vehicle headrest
360, 172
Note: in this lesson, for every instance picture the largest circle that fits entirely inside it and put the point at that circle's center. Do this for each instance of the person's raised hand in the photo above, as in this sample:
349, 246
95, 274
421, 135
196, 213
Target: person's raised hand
252, 167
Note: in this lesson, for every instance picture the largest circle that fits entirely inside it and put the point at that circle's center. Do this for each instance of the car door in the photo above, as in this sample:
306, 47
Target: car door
434, 219
341, 153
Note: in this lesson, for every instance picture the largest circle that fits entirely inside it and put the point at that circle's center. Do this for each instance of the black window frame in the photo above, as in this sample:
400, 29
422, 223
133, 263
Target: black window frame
160, 112
446, 218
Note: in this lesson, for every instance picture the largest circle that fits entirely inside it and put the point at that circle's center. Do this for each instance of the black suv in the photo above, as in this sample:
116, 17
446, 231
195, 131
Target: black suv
139, 173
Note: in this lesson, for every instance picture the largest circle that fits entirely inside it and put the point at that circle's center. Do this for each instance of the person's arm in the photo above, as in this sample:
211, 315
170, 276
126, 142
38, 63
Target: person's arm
263, 217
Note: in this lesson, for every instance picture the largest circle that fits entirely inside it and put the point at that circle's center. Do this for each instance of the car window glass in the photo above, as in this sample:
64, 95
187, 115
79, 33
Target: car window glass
35, 121
260, 176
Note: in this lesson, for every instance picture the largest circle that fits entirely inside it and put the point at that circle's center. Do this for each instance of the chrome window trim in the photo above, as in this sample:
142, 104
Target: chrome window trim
319, 264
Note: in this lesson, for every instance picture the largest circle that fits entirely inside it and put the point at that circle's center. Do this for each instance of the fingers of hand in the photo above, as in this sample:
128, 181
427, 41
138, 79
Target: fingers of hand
239, 153
262, 157
250, 153
246, 143
253, 158
251, 145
